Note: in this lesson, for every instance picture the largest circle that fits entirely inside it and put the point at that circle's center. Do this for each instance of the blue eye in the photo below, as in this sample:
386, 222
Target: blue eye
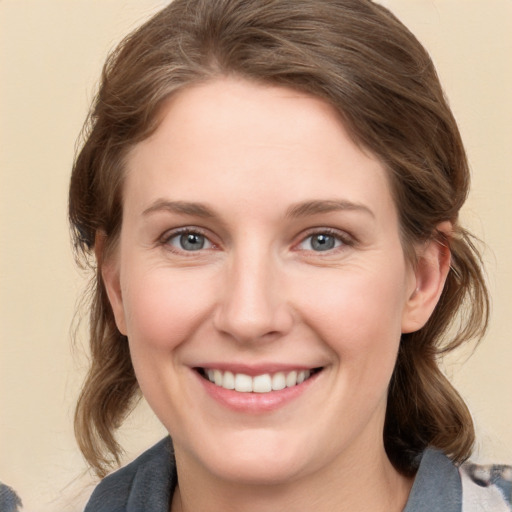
189, 241
320, 242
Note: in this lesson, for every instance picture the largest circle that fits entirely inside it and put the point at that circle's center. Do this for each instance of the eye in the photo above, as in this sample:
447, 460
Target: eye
188, 241
321, 242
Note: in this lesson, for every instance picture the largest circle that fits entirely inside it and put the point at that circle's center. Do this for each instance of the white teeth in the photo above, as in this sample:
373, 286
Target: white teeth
264, 383
243, 383
302, 376
278, 381
217, 377
229, 381
291, 379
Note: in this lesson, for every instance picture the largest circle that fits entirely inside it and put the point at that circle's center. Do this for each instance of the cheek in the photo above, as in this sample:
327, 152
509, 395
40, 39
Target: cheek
358, 312
163, 307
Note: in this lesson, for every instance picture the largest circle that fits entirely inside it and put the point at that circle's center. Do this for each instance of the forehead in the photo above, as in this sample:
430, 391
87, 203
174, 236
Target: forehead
230, 140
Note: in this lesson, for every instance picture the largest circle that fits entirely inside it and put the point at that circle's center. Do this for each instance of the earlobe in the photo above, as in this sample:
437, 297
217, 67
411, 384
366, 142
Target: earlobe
109, 269
430, 273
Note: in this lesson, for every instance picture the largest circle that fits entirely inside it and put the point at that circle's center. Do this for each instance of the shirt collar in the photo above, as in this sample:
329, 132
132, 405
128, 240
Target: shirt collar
437, 485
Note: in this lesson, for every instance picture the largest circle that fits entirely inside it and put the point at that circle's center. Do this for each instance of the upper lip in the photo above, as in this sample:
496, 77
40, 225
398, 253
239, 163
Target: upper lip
255, 369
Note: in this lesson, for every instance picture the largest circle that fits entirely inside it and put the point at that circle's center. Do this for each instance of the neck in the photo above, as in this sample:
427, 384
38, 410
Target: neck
362, 482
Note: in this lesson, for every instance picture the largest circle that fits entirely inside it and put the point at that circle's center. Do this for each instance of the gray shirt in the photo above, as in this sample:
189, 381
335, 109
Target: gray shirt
147, 484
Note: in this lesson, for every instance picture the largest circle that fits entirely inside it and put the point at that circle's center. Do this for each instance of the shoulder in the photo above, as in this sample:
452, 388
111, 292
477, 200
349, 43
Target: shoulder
487, 487
437, 485
442, 486
144, 484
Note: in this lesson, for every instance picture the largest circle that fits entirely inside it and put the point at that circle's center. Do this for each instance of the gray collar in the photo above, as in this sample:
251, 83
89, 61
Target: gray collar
437, 486
148, 482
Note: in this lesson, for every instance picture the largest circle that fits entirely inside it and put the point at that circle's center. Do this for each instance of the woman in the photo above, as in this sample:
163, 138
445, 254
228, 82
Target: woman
271, 190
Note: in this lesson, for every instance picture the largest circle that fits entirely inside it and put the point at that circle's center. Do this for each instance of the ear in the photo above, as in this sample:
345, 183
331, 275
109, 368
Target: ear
432, 267
109, 268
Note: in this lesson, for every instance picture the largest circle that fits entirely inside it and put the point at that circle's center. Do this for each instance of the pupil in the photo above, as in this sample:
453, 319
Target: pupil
322, 242
192, 241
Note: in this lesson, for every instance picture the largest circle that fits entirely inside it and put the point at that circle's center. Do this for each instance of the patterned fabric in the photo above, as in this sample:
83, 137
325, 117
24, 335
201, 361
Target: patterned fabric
147, 484
486, 487
9, 500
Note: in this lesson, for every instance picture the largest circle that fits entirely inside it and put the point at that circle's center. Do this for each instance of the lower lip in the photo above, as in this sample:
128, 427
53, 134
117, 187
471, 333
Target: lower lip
256, 403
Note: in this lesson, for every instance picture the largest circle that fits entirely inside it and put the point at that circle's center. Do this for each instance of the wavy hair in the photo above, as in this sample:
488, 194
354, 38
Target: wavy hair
358, 57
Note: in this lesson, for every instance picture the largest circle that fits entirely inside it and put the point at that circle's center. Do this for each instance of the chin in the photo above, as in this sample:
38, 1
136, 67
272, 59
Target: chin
259, 471
255, 458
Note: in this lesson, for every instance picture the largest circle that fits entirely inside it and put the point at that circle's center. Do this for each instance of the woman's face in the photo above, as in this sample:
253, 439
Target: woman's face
260, 249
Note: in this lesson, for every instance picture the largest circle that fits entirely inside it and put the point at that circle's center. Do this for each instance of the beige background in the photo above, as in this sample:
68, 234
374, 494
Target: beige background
51, 53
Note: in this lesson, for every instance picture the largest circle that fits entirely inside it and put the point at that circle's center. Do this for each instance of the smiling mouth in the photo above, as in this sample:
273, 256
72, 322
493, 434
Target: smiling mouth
264, 383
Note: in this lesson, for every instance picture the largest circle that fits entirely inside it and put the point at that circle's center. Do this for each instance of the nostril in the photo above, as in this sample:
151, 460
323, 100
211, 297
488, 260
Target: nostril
254, 325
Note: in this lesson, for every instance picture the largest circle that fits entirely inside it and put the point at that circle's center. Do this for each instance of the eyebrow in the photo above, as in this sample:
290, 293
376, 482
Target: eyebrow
183, 207
307, 208
302, 209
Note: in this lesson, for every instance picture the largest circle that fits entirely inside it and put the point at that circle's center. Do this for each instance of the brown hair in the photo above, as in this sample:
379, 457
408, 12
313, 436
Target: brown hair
357, 56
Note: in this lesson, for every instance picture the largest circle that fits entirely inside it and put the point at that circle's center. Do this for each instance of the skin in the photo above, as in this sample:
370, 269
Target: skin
259, 293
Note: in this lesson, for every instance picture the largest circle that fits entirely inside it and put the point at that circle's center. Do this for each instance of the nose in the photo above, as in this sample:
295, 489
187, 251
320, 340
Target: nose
253, 306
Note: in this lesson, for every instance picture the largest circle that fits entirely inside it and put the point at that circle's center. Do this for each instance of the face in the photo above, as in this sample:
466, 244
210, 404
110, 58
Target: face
261, 281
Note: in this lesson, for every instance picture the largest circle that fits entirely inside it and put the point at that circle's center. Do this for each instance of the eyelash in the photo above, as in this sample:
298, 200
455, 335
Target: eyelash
166, 239
343, 240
